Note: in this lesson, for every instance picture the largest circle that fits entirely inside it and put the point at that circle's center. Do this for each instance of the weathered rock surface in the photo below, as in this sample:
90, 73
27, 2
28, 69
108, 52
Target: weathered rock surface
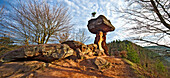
73, 44
51, 52
101, 23
46, 52
66, 68
93, 47
20, 69
100, 26
101, 63
82, 50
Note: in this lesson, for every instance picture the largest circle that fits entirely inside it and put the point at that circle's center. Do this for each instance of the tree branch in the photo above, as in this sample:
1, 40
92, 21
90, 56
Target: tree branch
159, 15
152, 42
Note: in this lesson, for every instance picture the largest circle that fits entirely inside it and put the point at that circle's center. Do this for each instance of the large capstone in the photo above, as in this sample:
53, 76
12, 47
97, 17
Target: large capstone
101, 23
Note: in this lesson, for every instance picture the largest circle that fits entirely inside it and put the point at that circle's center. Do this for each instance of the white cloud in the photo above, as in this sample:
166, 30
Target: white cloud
82, 9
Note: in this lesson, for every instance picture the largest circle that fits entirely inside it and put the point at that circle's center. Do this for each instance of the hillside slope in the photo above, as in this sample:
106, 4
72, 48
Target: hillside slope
145, 61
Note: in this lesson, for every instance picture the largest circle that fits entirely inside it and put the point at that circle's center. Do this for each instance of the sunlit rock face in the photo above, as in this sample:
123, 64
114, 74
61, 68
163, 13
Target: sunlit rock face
100, 26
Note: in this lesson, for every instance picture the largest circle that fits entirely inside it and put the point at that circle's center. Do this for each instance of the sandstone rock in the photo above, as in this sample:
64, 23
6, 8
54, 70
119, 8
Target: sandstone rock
73, 44
93, 47
99, 53
45, 52
77, 54
101, 63
84, 68
19, 69
63, 52
101, 23
80, 48
100, 26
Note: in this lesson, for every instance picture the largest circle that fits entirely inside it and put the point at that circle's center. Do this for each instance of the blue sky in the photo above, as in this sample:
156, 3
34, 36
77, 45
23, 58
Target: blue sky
81, 12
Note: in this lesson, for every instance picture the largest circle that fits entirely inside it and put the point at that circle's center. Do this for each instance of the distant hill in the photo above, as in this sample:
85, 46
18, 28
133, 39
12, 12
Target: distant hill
157, 47
160, 50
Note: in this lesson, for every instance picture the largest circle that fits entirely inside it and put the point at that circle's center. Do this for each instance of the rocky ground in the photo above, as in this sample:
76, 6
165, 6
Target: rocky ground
70, 59
67, 68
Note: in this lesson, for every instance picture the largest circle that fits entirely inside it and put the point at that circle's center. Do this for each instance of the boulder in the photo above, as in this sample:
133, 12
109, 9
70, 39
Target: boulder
79, 48
102, 64
44, 52
73, 44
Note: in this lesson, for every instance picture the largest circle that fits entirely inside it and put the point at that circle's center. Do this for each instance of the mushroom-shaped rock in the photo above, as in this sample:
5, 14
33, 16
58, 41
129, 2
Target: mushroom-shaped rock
100, 26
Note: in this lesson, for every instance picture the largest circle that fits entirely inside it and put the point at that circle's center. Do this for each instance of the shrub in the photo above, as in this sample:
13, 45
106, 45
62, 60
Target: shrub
123, 54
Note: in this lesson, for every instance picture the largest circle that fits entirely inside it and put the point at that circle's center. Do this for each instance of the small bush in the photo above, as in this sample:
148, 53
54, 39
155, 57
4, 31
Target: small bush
123, 54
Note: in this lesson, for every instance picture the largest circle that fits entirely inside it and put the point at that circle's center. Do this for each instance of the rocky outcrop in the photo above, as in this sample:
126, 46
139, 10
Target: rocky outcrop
82, 51
51, 52
45, 52
100, 26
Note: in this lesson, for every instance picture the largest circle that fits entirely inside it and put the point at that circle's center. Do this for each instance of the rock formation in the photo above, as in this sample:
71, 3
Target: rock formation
70, 59
44, 52
51, 52
100, 26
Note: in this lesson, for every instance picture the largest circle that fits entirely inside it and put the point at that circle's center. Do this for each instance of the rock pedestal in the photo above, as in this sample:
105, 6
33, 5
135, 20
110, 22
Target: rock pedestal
100, 26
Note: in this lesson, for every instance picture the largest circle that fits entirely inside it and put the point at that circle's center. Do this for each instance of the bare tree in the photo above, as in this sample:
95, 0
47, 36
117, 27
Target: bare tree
33, 21
81, 36
64, 36
150, 20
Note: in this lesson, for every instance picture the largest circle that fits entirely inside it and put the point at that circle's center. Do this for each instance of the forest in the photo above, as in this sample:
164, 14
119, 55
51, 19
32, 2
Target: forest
148, 64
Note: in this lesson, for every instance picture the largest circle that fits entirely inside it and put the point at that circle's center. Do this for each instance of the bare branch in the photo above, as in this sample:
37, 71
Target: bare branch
152, 42
163, 8
149, 20
159, 15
